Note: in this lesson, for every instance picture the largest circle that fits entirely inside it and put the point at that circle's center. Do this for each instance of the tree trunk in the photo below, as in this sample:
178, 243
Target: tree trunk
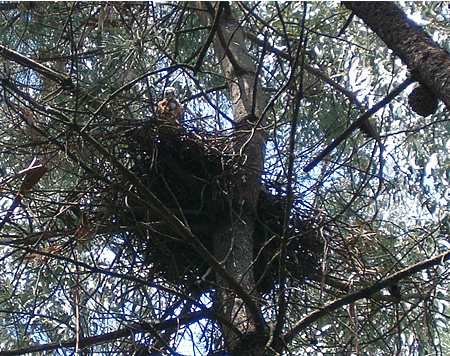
430, 63
233, 238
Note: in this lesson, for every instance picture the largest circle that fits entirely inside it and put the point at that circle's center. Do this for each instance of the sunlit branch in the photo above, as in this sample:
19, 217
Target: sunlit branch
364, 293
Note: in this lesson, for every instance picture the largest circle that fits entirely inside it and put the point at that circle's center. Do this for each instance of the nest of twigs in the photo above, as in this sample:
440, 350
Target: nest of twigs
187, 170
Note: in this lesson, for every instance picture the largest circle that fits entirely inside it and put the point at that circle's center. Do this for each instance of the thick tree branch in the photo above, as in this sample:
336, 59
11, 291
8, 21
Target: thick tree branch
210, 38
364, 293
61, 78
233, 238
429, 63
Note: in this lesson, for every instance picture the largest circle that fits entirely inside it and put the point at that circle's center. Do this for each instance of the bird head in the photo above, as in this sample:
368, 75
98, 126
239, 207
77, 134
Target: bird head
169, 92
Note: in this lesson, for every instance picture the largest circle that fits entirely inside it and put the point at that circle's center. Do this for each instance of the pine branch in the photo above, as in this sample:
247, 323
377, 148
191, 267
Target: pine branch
363, 119
364, 293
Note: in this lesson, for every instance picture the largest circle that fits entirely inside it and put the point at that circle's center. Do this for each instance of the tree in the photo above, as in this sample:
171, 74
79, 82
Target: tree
291, 211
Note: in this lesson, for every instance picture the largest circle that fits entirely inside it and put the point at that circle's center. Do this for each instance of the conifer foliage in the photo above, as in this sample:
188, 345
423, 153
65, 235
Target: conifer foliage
224, 178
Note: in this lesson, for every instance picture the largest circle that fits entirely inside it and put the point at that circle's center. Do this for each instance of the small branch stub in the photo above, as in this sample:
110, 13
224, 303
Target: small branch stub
422, 101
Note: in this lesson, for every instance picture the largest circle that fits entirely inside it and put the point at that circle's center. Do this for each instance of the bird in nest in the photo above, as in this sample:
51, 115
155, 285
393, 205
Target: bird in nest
170, 109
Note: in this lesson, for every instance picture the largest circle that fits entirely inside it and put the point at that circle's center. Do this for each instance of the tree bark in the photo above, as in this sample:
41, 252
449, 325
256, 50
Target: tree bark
233, 243
429, 63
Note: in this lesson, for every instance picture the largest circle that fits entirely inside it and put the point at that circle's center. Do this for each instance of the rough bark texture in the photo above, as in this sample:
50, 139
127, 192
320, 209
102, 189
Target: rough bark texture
429, 63
233, 245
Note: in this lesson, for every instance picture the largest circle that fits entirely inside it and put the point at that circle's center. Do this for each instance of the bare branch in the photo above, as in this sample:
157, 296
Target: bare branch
63, 79
358, 123
364, 293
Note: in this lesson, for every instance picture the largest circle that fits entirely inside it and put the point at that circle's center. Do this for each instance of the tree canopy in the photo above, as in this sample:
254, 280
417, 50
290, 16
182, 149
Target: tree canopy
288, 194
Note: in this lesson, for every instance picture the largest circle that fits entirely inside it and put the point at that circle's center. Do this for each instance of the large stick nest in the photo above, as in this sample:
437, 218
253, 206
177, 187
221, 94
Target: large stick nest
191, 172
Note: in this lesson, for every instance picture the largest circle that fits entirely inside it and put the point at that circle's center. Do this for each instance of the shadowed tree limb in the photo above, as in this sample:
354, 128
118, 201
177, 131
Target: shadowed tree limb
358, 123
233, 237
429, 62
364, 293
210, 38
61, 78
